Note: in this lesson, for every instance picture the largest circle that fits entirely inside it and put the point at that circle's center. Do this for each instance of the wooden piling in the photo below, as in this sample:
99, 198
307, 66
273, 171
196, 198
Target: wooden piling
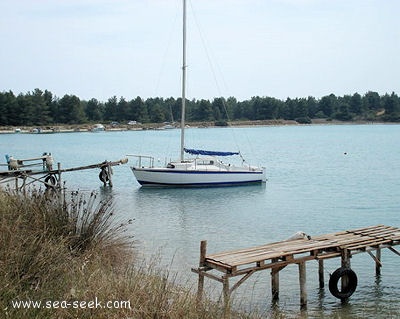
345, 264
321, 273
59, 175
303, 289
378, 263
275, 282
200, 284
226, 297
109, 172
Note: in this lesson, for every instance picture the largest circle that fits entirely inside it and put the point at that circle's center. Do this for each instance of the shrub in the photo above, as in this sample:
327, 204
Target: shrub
53, 249
303, 120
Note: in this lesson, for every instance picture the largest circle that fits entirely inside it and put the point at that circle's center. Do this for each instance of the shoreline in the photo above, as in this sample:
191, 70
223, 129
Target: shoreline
74, 128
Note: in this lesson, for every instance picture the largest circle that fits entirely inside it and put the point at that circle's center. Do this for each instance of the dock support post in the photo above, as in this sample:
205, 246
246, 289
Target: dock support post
227, 297
321, 273
303, 290
109, 172
346, 264
275, 282
200, 284
378, 264
59, 174
345, 258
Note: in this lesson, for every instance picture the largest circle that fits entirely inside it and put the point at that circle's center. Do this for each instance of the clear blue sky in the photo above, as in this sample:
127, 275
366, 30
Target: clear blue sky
278, 48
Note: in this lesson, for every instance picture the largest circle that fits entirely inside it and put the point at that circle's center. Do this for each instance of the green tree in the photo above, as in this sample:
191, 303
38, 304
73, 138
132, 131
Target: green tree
22, 113
391, 104
157, 114
219, 109
203, 111
312, 106
93, 111
138, 110
70, 110
110, 109
290, 109
328, 104
343, 114
122, 110
231, 104
355, 104
8, 103
172, 108
372, 101
260, 108
301, 109
40, 108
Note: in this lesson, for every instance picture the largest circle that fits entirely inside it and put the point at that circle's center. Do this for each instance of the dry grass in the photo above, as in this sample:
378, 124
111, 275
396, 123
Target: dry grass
51, 250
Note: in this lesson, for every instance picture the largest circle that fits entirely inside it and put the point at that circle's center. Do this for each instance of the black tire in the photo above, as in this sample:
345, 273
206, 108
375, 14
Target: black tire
103, 175
351, 283
50, 181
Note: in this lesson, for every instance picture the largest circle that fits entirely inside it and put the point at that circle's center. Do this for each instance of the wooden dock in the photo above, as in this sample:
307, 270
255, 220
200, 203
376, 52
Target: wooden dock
42, 171
276, 256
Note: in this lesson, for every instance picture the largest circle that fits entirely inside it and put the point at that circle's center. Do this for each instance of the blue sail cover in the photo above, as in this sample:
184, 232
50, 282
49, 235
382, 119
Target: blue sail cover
211, 153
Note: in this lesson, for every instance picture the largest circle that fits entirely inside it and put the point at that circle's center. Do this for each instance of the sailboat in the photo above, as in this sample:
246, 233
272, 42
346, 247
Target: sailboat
204, 170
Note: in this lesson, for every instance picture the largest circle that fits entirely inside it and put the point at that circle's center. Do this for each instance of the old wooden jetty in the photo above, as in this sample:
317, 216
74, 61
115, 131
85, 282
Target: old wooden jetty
24, 172
276, 256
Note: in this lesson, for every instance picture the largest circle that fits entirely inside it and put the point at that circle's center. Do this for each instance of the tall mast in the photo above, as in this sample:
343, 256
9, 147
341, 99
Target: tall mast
183, 82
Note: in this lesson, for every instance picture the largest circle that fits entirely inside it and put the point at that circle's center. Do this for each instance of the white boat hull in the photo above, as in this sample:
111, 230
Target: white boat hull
160, 177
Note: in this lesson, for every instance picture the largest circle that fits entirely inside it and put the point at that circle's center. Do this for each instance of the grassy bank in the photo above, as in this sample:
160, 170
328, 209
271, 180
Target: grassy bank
78, 263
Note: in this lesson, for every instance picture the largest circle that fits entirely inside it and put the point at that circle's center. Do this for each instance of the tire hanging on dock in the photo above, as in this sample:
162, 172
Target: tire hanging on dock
351, 286
103, 175
50, 181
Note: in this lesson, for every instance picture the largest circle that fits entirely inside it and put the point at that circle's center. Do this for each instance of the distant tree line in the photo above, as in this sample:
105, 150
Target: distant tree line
38, 108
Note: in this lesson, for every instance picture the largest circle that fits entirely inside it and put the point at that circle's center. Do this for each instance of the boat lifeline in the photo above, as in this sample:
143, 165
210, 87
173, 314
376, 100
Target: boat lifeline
206, 169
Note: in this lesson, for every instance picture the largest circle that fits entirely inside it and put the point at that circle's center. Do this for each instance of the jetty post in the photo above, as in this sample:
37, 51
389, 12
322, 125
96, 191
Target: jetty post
200, 284
345, 264
275, 281
302, 281
321, 273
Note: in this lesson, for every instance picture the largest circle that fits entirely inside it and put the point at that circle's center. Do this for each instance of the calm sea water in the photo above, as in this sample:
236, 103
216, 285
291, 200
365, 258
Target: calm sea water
321, 179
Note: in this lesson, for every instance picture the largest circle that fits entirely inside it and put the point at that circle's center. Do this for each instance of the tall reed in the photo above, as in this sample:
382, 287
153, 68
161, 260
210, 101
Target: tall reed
52, 249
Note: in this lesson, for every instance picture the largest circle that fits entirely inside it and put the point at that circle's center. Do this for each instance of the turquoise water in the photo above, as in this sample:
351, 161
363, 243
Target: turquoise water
321, 179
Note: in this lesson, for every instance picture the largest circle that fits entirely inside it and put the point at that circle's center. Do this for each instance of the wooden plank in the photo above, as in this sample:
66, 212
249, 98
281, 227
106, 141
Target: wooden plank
374, 230
236, 260
206, 274
365, 244
327, 256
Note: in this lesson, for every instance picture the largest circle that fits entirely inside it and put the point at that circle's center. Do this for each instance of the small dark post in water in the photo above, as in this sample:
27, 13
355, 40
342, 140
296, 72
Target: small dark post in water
59, 174
275, 281
303, 290
200, 284
321, 273
346, 264
378, 264
109, 172
227, 297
